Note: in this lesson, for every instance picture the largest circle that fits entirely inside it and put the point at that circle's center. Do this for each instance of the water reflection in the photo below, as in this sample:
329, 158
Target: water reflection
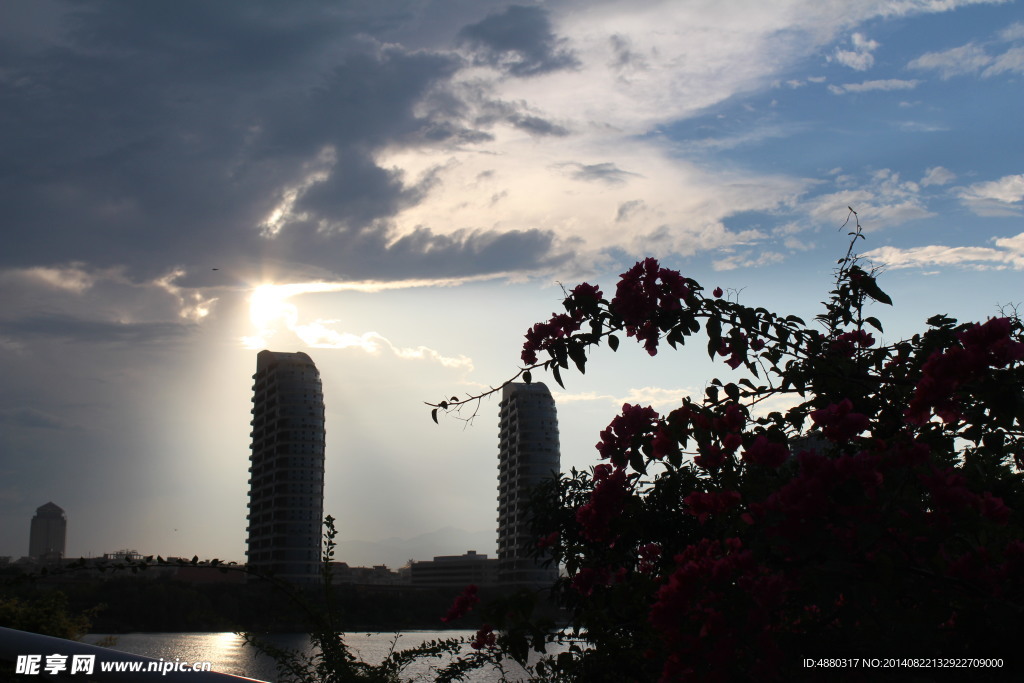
229, 654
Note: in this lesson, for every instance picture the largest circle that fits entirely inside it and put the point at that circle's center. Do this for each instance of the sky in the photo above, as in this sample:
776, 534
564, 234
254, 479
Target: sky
399, 188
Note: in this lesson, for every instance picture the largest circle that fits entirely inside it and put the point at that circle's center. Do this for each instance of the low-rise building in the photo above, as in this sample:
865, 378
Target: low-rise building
376, 575
455, 570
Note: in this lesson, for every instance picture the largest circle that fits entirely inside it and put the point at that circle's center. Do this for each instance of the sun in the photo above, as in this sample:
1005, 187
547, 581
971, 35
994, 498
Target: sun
270, 312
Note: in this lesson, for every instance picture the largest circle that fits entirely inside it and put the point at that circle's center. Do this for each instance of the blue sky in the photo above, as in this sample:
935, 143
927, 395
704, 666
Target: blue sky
396, 188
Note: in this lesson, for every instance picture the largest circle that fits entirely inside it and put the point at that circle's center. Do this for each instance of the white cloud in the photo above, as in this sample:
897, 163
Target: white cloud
640, 67
1007, 253
1010, 61
104, 295
747, 259
937, 175
886, 201
313, 172
1012, 32
319, 334
866, 86
860, 57
193, 305
957, 61
922, 127
680, 206
1007, 189
658, 398
904, 7
1001, 197
798, 244
271, 312
70, 278
973, 58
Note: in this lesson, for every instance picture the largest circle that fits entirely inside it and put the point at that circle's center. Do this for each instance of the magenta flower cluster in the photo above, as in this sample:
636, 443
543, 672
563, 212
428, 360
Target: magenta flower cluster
464, 603
643, 291
622, 438
582, 301
983, 346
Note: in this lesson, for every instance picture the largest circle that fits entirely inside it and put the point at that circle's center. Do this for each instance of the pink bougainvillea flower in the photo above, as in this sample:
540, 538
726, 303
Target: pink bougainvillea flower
463, 604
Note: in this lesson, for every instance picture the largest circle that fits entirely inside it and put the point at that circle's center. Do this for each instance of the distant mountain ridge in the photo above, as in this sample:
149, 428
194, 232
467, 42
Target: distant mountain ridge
395, 552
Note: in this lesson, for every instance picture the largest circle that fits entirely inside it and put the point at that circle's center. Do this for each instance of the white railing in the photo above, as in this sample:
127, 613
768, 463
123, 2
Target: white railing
14, 643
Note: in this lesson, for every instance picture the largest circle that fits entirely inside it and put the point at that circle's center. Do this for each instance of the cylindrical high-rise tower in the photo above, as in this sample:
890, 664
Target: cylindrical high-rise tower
286, 484
527, 454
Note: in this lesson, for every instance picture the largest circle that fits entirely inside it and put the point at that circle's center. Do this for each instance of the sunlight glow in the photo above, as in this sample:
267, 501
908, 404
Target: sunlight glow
270, 312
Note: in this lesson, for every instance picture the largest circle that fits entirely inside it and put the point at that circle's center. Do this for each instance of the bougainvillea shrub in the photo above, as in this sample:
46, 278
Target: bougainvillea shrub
879, 517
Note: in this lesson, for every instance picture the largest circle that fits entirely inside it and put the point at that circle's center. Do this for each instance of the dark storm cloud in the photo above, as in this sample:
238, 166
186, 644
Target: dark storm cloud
519, 41
604, 172
538, 126
57, 326
627, 209
357, 193
516, 115
623, 54
159, 134
478, 251
31, 418
421, 253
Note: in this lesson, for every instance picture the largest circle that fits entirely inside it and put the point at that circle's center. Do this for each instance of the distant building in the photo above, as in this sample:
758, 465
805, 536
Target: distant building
48, 533
528, 453
286, 484
376, 575
123, 555
455, 570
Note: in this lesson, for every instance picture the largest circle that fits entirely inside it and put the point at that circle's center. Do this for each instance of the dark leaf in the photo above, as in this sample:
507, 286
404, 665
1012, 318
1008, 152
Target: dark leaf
579, 356
872, 289
748, 318
874, 323
940, 320
527, 377
714, 330
636, 461
676, 337
675, 457
557, 375
613, 342
433, 415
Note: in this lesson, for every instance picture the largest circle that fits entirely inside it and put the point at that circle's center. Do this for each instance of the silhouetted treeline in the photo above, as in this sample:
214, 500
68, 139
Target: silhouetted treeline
130, 604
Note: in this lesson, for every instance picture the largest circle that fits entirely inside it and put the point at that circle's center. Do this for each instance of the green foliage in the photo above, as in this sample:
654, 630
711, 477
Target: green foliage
46, 612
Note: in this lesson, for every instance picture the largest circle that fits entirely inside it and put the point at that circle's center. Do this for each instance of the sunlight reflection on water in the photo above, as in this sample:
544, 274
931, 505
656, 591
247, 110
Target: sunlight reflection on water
229, 654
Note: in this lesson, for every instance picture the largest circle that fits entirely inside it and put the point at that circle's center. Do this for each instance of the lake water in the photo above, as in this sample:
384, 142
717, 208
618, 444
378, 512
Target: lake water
229, 654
